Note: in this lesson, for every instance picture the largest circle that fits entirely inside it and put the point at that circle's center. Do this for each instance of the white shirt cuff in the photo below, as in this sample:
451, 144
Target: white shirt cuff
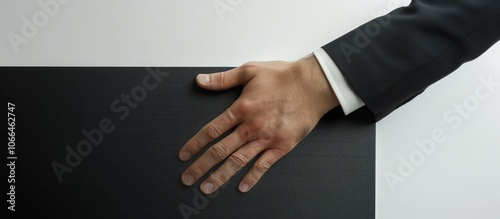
349, 101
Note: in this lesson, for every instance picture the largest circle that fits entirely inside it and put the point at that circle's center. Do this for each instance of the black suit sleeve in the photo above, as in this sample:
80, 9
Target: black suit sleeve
393, 58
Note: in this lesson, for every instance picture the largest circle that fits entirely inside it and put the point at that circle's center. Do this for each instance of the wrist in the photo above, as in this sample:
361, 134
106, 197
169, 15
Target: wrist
321, 92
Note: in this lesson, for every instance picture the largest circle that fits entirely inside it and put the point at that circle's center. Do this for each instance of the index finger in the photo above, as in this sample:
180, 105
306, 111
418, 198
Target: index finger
209, 133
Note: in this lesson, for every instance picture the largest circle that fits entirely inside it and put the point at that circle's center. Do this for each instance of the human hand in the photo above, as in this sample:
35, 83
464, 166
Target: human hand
280, 104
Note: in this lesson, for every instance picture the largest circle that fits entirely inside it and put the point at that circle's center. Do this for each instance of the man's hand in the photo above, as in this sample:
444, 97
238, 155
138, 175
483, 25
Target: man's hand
280, 104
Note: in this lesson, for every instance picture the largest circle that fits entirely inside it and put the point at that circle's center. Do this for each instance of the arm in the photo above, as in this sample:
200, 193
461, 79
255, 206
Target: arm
391, 59
281, 102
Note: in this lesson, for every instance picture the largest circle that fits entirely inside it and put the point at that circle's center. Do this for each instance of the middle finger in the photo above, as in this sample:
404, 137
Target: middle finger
215, 154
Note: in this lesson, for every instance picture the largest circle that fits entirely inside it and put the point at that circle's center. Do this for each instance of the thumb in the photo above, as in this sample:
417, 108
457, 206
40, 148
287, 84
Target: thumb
221, 80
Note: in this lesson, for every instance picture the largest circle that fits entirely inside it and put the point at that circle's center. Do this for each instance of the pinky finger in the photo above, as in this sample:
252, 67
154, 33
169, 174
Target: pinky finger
265, 161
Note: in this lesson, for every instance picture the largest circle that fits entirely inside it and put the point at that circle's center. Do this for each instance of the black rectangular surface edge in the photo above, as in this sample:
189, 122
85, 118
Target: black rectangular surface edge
134, 171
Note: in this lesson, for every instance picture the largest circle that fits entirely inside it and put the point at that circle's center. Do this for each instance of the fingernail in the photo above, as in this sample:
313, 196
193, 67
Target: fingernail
204, 78
244, 188
188, 179
207, 187
185, 156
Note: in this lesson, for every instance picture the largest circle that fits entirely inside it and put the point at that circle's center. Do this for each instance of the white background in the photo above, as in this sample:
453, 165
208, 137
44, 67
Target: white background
460, 178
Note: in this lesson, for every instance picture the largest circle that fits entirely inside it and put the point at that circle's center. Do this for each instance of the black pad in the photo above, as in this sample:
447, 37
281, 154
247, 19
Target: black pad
133, 171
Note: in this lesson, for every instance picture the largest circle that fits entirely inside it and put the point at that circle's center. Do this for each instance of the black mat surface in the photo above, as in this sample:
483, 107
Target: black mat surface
134, 172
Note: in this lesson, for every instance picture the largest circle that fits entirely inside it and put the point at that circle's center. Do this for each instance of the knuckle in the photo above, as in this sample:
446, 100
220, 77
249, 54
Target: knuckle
238, 159
251, 129
283, 144
219, 77
252, 178
231, 116
287, 145
254, 125
262, 166
196, 146
248, 65
196, 169
219, 178
244, 107
218, 151
266, 135
212, 131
